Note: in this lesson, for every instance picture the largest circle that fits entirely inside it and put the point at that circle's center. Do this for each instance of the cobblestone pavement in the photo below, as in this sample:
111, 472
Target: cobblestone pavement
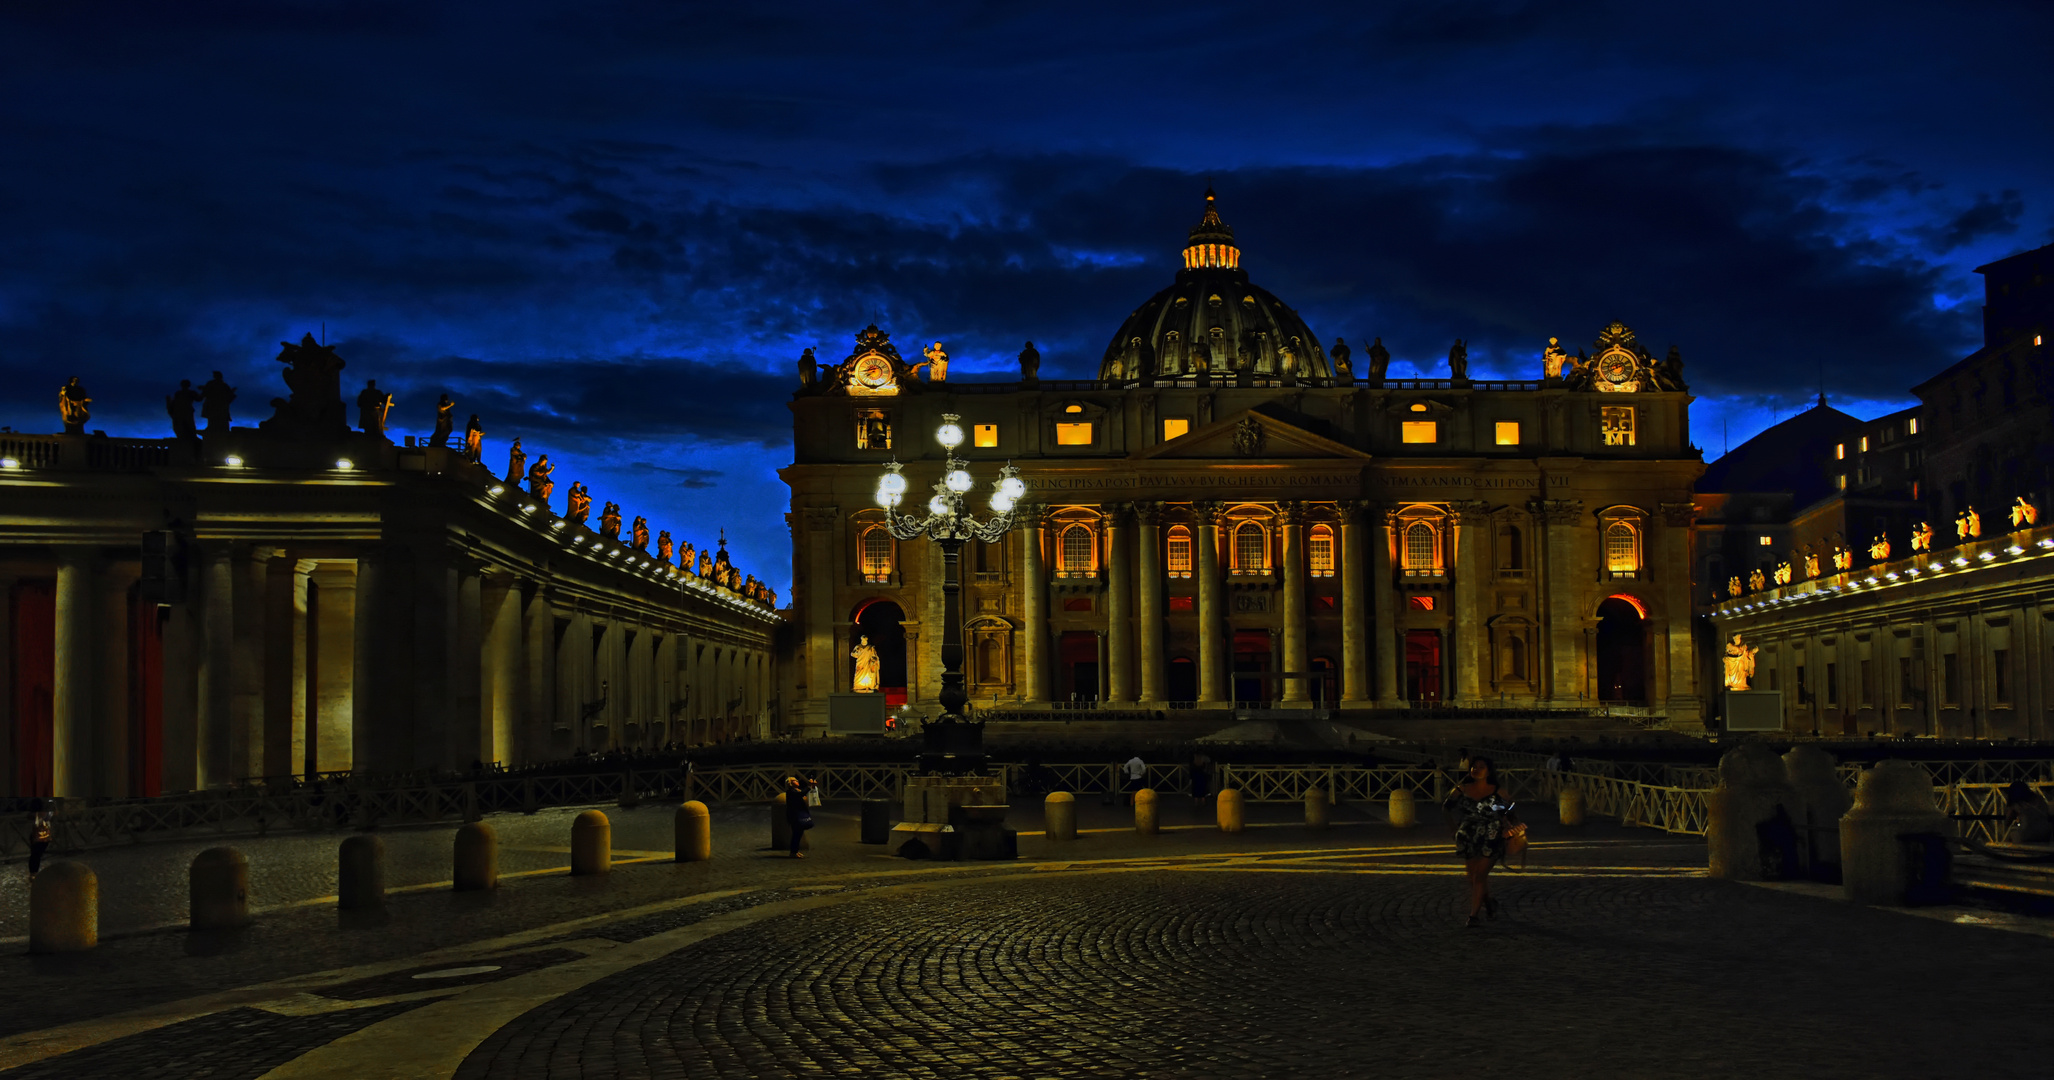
1275, 952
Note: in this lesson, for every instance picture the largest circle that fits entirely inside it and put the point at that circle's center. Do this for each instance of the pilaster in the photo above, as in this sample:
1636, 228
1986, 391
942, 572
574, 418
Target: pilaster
1148, 620
1294, 691
1214, 691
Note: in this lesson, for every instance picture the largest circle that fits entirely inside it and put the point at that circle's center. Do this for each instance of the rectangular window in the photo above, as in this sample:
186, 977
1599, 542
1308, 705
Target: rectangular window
1862, 692
984, 435
1073, 434
876, 554
1077, 603
1320, 546
1865, 444
1183, 603
1950, 685
1616, 421
1911, 426
1420, 603
1833, 685
1178, 552
1767, 541
1420, 431
1839, 451
1840, 481
2000, 669
1801, 692
1508, 433
1904, 688
873, 429
1176, 427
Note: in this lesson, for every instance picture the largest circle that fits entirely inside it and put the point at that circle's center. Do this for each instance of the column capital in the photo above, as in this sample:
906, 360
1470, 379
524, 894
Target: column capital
1556, 511
822, 518
1468, 512
1356, 510
1116, 513
1680, 515
1148, 513
1030, 516
1290, 513
1208, 513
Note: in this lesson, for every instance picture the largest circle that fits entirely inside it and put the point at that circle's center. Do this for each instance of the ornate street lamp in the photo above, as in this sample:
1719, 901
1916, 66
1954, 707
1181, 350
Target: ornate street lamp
951, 744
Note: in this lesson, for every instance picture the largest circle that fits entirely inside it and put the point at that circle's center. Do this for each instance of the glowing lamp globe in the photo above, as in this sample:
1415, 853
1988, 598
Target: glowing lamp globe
959, 481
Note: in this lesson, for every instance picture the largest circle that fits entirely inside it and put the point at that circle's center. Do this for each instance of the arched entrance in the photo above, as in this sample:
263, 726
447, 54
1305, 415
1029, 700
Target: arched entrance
883, 623
1622, 650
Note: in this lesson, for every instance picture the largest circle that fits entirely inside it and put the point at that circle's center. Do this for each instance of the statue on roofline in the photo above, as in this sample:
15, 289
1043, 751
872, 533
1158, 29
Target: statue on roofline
373, 405
1379, 362
1552, 360
445, 421
1340, 355
640, 533
609, 520
1030, 363
74, 407
474, 439
516, 462
664, 546
579, 506
215, 398
179, 404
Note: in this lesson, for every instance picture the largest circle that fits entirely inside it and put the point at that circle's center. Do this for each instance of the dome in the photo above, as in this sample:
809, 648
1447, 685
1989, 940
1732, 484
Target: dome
1213, 321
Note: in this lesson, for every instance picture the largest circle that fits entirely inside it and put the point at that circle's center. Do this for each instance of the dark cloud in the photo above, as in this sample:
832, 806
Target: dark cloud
1989, 216
684, 478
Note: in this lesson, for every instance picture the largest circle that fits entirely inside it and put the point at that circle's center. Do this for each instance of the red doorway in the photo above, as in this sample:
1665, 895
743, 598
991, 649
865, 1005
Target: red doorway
34, 611
1079, 658
1423, 665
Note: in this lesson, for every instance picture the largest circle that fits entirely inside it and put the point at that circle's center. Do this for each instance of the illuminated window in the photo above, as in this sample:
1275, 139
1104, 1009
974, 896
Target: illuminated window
1420, 431
1076, 434
1319, 543
1508, 433
1616, 421
1865, 444
1251, 549
985, 435
873, 429
1420, 603
876, 554
1911, 426
1840, 481
1419, 406
1175, 427
1622, 548
1178, 548
1076, 552
1422, 549
1839, 451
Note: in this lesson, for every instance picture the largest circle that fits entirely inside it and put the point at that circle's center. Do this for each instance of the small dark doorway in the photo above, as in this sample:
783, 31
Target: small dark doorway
883, 622
1622, 651
1422, 665
1183, 680
1080, 665
1251, 667
1322, 688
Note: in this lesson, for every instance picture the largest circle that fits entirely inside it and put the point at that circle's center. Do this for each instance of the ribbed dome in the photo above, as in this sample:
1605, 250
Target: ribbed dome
1213, 320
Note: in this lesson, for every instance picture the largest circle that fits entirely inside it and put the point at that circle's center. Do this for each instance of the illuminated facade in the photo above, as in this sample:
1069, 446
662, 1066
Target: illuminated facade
1230, 514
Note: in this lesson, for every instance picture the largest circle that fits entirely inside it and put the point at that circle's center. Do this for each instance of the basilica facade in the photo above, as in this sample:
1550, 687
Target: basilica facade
1232, 514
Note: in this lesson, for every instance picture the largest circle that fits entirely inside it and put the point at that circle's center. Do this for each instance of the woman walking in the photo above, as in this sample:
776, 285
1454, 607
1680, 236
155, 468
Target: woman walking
798, 815
1481, 817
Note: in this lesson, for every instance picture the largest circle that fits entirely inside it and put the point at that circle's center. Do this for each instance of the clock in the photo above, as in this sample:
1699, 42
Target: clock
873, 374
1616, 368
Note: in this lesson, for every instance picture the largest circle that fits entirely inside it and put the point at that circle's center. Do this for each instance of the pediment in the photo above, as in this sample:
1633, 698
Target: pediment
1250, 435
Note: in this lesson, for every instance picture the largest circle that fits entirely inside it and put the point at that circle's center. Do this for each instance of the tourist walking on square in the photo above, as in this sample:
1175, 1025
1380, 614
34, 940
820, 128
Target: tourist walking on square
1481, 816
1201, 775
1137, 771
40, 831
798, 814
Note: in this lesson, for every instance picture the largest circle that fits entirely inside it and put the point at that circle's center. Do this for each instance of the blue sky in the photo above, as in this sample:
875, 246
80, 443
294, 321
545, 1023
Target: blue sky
610, 228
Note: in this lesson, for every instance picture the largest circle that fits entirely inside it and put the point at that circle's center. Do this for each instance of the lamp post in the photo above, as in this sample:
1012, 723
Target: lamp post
951, 744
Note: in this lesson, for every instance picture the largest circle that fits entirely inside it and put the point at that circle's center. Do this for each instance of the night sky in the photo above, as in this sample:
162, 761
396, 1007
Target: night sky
610, 228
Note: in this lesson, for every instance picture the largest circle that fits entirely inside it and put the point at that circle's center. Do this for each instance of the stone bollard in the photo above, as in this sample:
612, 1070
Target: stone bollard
693, 829
1317, 808
1895, 800
220, 890
1823, 801
1059, 815
360, 874
64, 909
1752, 815
591, 844
781, 831
1404, 811
1569, 808
1231, 817
1147, 819
477, 857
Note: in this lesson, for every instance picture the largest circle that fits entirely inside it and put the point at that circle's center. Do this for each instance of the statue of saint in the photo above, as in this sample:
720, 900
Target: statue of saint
2024, 514
1340, 354
444, 421
1458, 361
867, 667
1739, 663
539, 483
1733, 585
1757, 581
1379, 362
516, 462
579, 506
664, 545
474, 439
215, 398
937, 363
1879, 549
373, 405
1669, 371
705, 564
313, 407
809, 369
1922, 536
179, 403
609, 520
640, 533
1968, 525
1030, 363
1811, 564
73, 406
1552, 359
686, 560
1201, 357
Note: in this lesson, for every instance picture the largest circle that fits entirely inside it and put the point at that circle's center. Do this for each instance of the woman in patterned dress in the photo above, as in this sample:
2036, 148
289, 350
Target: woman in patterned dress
1481, 814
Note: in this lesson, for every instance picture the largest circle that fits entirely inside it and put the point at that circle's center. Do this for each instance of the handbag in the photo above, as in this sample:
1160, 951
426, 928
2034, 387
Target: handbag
812, 796
1515, 841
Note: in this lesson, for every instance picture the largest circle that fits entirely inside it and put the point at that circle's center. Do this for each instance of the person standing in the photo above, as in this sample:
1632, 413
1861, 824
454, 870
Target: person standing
798, 814
1201, 775
1481, 816
1137, 771
40, 831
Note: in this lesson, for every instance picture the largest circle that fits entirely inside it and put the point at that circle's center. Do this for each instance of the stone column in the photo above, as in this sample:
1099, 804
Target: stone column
1148, 618
666, 684
117, 667
216, 597
1562, 586
383, 701
817, 590
1214, 691
10, 765
305, 704
75, 693
1033, 607
1471, 524
540, 717
1685, 702
279, 628
249, 664
332, 663
1294, 692
1119, 613
469, 727
1355, 689
499, 686
1385, 648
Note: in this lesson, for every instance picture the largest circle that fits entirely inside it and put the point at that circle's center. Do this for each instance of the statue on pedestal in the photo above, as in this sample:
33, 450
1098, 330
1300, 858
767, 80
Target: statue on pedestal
474, 440
1030, 363
1922, 536
609, 520
579, 504
73, 406
867, 667
1968, 525
688, 560
373, 405
937, 363
640, 534
706, 564
1879, 549
539, 483
1340, 354
664, 546
1458, 361
2024, 515
809, 369
1739, 664
1379, 362
179, 403
215, 398
312, 407
516, 462
1552, 359
444, 421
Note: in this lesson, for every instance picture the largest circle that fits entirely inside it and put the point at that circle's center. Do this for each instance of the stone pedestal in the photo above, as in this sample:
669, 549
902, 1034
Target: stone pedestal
1894, 802
954, 817
1750, 832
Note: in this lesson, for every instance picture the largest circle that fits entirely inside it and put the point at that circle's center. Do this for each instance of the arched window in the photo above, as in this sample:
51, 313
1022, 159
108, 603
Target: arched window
1251, 549
1319, 544
1622, 549
1178, 552
876, 554
1076, 553
1511, 555
1422, 549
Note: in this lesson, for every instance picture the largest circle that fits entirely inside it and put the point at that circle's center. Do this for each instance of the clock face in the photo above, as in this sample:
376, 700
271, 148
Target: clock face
1616, 367
873, 373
